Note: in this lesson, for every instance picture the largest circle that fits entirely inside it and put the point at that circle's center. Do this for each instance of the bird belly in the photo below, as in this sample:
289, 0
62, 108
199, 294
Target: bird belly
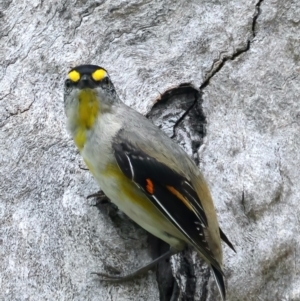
134, 203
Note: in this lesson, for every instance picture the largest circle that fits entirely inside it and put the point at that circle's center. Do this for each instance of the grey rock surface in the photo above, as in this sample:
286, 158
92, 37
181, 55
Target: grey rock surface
241, 127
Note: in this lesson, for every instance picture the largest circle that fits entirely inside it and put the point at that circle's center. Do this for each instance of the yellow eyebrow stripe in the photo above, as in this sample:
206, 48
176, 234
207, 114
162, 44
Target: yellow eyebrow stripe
99, 74
74, 76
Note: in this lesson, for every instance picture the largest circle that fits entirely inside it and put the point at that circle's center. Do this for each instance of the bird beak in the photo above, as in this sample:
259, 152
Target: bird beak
86, 82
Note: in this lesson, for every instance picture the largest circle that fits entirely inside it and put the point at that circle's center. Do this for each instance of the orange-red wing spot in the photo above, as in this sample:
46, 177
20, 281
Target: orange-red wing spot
180, 196
149, 186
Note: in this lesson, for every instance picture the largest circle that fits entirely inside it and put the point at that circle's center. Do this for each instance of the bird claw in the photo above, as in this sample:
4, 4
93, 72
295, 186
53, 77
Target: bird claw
100, 196
102, 199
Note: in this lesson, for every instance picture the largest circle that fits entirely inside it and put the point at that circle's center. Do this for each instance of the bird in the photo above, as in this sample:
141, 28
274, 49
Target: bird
142, 171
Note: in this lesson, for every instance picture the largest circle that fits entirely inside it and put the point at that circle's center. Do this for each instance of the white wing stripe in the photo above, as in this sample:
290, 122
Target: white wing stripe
175, 222
131, 168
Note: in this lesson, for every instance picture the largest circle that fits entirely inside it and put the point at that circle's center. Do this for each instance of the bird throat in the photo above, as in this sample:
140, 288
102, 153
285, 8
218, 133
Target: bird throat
88, 108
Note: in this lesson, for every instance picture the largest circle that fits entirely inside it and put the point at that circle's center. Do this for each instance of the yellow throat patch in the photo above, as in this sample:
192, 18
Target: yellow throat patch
87, 113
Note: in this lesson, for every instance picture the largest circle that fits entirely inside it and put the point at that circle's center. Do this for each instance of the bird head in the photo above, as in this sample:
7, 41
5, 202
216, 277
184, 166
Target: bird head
87, 85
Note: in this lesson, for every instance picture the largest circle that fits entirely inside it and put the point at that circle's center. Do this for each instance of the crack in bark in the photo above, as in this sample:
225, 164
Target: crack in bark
19, 112
238, 52
219, 67
184, 114
254, 21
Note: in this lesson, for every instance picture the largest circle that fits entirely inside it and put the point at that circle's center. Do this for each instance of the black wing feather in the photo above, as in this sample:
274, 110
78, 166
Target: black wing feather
138, 166
220, 282
183, 218
226, 240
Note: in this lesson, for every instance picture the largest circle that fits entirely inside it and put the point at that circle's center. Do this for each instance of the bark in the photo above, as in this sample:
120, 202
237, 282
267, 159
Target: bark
220, 77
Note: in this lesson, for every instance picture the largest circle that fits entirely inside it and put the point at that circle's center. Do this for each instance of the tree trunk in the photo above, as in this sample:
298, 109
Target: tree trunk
222, 78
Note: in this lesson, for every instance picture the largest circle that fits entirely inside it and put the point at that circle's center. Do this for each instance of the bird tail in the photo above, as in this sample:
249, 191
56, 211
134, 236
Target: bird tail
220, 282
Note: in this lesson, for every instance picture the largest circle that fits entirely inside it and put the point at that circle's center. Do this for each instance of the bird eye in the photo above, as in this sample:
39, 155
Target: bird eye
68, 83
68, 86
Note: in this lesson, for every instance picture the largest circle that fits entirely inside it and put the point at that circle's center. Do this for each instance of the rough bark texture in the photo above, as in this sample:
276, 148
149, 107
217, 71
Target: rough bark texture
220, 77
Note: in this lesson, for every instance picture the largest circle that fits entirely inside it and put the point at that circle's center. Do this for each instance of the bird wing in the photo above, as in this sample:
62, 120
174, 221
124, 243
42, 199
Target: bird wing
171, 192
226, 240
